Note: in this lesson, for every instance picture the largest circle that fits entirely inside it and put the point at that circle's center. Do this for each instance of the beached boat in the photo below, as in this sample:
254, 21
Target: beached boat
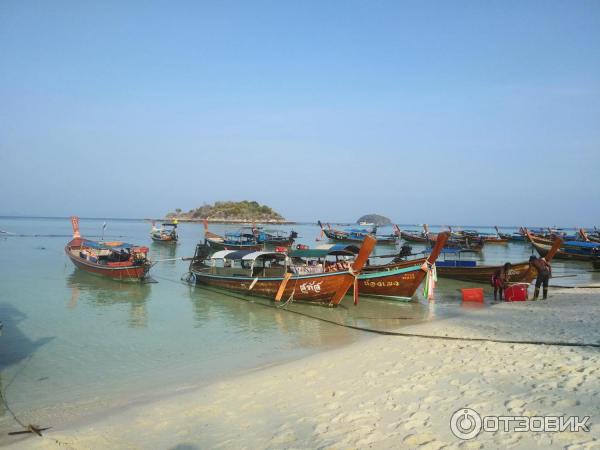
166, 233
468, 270
394, 281
576, 250
457, 240
587, 237
269, 274
231, 241
356, 235
117, 260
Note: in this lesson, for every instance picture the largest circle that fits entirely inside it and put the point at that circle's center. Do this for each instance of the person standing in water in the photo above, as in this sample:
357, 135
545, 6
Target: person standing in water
544, 273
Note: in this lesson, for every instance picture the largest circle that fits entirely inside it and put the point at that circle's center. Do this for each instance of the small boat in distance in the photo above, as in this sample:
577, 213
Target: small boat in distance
116, 260
356, 235
166, 233
231, 241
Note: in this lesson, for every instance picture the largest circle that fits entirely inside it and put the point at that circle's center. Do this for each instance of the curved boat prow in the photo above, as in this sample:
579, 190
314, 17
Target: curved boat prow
555, 247
75, 223
360, 261
440, 243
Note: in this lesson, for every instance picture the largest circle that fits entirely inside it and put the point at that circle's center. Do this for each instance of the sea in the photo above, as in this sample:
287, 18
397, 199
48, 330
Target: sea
74, 345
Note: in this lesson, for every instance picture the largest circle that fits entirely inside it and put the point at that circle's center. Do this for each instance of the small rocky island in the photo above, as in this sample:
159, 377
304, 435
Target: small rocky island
229, 212
375, 219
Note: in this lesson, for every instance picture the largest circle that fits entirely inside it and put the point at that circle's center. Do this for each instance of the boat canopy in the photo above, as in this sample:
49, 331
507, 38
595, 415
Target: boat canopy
581, 244
221, 254
255, 255
320, 252
340, 247
107, 245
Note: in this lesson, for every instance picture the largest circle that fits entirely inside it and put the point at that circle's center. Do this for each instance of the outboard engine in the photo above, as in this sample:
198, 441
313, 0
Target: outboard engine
405, 251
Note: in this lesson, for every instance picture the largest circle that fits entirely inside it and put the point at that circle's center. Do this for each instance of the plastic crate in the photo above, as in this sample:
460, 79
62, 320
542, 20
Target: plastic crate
516, 293
472, 295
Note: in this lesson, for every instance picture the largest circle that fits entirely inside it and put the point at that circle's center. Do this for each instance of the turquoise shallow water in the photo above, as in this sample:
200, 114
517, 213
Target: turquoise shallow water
74, 344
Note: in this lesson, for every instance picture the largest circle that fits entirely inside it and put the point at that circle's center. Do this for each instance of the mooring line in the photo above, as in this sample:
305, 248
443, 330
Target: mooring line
402, 334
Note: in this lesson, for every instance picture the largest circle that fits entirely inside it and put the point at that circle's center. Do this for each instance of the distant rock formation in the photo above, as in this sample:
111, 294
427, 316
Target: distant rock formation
375, 219
244, 211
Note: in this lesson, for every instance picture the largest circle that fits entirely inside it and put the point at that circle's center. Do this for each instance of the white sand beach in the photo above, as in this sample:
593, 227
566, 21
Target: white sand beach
386, 392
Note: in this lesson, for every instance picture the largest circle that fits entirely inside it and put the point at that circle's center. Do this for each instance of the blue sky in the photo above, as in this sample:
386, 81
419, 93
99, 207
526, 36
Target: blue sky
441, 112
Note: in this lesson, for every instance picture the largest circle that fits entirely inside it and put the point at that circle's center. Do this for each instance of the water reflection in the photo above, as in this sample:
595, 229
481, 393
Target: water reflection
312, 325
101, 292
164, 250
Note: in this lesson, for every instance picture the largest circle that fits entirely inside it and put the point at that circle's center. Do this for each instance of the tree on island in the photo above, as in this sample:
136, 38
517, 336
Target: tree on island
244, 210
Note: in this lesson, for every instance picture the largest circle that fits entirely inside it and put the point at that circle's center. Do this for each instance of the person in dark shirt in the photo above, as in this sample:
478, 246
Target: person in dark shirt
544, 273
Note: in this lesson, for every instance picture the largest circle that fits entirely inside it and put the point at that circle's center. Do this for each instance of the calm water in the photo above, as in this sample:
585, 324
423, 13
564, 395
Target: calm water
75, 344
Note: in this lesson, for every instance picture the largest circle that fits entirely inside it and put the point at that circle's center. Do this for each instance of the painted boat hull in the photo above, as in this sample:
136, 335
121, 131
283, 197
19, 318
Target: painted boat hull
519, 272
344, 237
123, 273
220, 245
318, 288
543, 246
163, 238
399, 282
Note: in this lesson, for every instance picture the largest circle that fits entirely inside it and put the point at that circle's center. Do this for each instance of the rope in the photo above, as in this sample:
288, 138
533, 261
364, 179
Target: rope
398, 333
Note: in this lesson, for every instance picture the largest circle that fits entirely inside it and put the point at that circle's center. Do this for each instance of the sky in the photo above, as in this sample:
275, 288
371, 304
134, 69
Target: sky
462, 112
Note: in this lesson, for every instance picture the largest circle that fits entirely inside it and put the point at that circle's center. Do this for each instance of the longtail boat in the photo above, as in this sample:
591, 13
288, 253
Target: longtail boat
272, 238
399, 281
231, 240
463, 241
117, 260
268, 274
588, 237
356, 235
468, 270
576, 250
166, 233
394, 281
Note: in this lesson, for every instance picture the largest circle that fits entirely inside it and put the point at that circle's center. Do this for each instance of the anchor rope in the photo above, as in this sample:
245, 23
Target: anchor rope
403, 334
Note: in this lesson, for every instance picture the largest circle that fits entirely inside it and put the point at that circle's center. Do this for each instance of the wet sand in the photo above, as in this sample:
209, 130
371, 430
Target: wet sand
386, 392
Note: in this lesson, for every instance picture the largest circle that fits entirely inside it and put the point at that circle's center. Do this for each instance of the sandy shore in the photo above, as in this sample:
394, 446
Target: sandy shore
387, 392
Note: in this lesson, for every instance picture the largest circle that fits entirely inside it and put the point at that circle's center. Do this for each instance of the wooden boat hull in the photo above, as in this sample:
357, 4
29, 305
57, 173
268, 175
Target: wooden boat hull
543, 249
123, 273
409, 237
519, 272
163, 238
288, 242
217, 245
344, 237
318, 288
399, 282
495, 240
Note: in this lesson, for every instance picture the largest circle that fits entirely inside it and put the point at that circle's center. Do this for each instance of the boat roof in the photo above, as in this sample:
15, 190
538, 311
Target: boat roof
254, 255
339, 247
581, 244
320, 252
106, 245
246, 255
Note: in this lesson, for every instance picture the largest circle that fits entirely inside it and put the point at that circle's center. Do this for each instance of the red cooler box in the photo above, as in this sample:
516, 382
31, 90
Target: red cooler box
472, 295
516, 292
